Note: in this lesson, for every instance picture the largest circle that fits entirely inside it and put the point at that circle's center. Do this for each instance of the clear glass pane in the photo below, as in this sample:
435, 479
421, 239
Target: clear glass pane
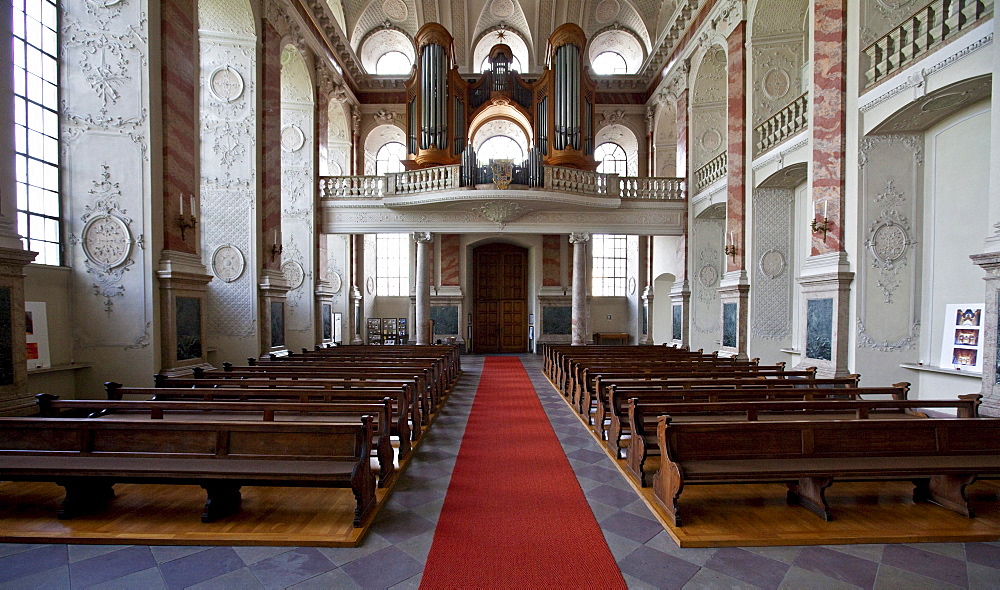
22, 196
393, 63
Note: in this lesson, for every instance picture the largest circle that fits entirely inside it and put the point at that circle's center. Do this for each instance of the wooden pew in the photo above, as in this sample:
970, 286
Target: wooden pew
942, 456
50, 406
88, 457
642, 415
399, 424
610, 416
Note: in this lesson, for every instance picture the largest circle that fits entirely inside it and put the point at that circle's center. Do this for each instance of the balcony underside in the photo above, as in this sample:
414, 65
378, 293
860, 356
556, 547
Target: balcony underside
510, 211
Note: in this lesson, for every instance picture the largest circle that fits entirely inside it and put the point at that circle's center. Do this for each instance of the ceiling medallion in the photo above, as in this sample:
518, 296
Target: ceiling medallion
607, 11
395, 9
945, 101
502, 212
502, 8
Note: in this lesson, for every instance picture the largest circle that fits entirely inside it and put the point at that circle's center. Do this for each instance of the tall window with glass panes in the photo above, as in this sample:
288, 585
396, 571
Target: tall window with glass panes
36, 126
609, 264
392, 265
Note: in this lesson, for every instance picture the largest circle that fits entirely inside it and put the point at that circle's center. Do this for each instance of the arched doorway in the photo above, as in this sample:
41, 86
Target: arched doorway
500, 299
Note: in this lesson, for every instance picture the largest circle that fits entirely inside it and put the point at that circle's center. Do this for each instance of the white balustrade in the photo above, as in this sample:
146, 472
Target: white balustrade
783, 124
937, 22
654, 189
424, 180
574, 180
341, 187
715, 169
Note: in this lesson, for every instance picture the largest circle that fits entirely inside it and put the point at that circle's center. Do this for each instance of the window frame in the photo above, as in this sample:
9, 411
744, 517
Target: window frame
381, 57
381, 164
35, 211
392, 265
485, 162
620, 169
609, 252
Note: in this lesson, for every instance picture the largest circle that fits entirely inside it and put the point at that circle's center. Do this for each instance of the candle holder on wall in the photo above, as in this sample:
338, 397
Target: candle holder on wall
189, 221
275, 251
730, 250
820, 226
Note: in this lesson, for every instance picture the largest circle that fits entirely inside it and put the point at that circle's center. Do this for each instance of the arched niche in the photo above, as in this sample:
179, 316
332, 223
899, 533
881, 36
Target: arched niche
378, 137
507, 36
381, 41
662, 328
665, 140
502, 111
779, 35
626, 138
709, 123
621, 41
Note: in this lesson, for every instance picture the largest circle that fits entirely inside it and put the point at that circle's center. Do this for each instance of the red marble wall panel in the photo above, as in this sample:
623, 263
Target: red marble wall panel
271, 115
179, 72
736, 185
551, 259
829, 120
450, 247
682, 134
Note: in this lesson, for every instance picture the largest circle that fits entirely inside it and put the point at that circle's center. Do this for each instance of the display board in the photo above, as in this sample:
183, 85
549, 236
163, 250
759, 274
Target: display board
962, 340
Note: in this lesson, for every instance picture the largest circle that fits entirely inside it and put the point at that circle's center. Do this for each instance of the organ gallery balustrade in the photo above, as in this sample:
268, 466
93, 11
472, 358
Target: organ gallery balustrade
783, 124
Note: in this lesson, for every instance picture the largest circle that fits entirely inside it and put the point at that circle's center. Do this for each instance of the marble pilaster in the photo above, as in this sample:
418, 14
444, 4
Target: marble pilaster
271, 314
579, 305
682, 134
270, 204
829, 122
825, 308
183, 343
734, 296
680, 309
357, 273
181, 170
551, 260
736, 156
450, 253
990, 262
646, 290
422, 315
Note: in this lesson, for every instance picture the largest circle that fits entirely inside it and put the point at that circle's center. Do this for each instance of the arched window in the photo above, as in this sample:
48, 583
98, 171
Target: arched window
610, 62
500, 147
612, 159
515, 64
388, 156
393, 63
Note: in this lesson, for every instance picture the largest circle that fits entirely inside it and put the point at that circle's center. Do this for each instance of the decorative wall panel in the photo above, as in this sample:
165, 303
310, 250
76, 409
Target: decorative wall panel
228, 175
707, 267
106, 176
772, 275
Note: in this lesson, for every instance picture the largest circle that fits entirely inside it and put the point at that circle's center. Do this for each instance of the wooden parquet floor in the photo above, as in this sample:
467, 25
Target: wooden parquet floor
756, 515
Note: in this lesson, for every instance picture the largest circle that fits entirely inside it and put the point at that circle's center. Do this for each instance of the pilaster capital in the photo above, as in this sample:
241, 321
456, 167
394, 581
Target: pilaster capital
579, 238
422, 237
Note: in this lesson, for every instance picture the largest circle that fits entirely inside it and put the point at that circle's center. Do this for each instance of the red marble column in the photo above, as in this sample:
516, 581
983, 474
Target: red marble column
682, 134
179, 72
450, 245
829, 121
736, 152
551, 259
271, 177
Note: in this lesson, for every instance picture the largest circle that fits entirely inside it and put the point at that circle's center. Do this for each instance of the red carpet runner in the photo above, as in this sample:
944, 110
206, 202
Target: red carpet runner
515, 515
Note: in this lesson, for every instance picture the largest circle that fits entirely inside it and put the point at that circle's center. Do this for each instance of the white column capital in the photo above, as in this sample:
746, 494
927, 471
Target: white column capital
421, 237
579, 238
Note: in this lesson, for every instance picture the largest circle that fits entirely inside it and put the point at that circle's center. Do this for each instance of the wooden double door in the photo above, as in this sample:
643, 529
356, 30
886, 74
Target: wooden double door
500, 299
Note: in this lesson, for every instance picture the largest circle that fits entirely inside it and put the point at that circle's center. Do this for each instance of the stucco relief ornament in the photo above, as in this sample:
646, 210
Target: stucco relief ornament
395, 9
607, 11
226, 84
106, 240
502, 212
384, 116
292, 138
295, 275
772, 264
228, 263
888, 241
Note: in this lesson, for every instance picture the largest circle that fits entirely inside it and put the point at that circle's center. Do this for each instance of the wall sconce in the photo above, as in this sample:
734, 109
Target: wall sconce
730, 249
275, 246
821, 226
190, 221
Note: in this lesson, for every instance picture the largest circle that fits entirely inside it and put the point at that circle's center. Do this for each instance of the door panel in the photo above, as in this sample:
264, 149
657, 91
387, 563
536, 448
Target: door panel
500, 299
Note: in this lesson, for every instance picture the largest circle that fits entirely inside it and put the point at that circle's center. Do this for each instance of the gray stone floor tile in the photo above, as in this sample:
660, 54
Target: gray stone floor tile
80, 552
108, 566
601, 511
148, 579
658, 569
925, 563
871, 552
849, 569
410, 584
291, 567
797, 578
39, 559
953, 550
620, 546
325, 581
707, 579
251, 555
634, 583
696, 555
982, 577
782, 554
52, 579
418, 547
750, 567
12, 548
893, 578
983, 554
198, 567
165, 553
242, 578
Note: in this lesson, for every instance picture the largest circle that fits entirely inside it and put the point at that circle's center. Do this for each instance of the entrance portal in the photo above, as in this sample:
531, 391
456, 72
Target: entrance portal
500, 299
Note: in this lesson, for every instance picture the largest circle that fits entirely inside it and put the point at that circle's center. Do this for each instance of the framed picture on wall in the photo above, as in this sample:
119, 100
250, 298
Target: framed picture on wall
962, 342
36, 335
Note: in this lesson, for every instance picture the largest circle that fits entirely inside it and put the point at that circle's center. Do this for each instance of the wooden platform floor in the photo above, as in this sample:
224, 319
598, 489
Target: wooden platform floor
756, 515
149, 514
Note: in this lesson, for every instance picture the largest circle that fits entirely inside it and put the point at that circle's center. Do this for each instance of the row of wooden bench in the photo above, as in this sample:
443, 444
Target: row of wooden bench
324, 418
726, 427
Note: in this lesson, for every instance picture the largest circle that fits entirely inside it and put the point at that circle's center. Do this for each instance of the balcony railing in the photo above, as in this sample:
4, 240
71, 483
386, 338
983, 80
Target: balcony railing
783, 124
929, 27
341, 187
658, 189
715, 169
573, 180
556, 179
425, 180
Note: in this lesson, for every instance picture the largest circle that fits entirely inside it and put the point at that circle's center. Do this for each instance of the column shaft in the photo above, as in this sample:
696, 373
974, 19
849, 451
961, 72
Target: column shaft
423, 287
579, 308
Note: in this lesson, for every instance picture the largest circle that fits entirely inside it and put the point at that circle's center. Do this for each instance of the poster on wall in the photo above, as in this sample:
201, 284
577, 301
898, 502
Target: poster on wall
36, 335
962, 341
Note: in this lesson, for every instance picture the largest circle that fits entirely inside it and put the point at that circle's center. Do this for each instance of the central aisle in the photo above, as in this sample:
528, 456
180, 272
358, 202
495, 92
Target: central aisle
515, 515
